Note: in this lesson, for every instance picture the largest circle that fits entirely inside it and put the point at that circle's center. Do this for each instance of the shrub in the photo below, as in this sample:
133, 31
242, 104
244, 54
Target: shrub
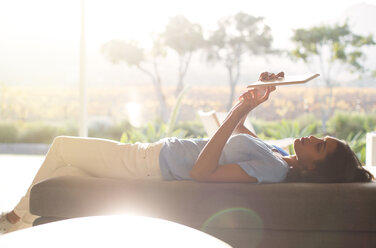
303, 126
343, 124
357, 142
107, 129
8, 133
194, 129
37, 132
351, 127
150, 133
68, 128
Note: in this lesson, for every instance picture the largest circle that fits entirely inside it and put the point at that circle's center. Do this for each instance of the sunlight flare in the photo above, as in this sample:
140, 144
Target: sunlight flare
134, 111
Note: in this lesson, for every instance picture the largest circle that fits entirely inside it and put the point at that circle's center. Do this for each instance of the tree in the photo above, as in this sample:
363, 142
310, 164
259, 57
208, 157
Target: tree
132, 54
184, 38
332, 49
235, 37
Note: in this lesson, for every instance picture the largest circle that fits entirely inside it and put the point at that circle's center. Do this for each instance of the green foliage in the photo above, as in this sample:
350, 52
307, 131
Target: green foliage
108, 130
235, 37
338, 41
132, 54
8, 133
38, 133
175, 111
183, 36
290, 129
125, 51
180, 35
329, 48
345, 124
303, 126
357, 142
351, 127
152, 133
193, 129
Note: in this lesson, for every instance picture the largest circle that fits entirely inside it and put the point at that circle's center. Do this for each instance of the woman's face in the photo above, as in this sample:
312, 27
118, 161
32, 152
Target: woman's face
311, 149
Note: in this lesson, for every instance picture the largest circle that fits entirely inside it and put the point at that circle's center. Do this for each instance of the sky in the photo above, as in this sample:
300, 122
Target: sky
106, 19
37, 35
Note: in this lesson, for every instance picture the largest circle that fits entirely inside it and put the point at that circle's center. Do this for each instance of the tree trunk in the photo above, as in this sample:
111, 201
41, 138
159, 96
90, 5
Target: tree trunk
232, 94
232, 88
179, 86
183, 68
233, 80
327, 110
163, 110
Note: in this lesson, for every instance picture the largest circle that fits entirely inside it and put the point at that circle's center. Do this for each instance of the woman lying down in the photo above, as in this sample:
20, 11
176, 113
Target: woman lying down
233, 154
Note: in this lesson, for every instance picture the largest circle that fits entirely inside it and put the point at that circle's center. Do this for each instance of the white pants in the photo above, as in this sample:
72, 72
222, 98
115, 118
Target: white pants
93, 157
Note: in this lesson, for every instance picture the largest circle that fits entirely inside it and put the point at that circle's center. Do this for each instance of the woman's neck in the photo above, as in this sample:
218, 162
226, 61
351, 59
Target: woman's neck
291, 161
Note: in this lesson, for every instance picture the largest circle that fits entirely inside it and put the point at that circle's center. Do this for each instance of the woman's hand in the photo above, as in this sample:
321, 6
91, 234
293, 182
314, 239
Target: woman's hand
207, 166
254, 97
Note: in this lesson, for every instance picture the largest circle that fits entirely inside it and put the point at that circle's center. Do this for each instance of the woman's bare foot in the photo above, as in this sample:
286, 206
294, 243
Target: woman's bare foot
7, 223
12, 217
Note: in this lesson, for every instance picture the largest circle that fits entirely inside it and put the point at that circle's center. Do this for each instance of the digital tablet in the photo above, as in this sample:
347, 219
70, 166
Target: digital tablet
293, 79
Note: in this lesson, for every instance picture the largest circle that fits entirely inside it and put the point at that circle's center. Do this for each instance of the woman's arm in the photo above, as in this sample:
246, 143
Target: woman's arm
241, 128
207, 167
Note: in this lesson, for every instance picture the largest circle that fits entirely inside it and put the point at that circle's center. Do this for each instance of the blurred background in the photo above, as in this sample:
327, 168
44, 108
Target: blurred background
140, 70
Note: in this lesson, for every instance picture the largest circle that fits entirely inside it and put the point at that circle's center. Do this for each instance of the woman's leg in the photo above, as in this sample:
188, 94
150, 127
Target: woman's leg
88, 157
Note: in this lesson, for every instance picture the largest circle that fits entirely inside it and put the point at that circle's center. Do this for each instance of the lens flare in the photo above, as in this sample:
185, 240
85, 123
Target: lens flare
240, 218
134, 113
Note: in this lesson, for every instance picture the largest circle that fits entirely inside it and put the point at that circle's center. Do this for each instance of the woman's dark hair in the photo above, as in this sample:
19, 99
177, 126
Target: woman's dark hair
341, 166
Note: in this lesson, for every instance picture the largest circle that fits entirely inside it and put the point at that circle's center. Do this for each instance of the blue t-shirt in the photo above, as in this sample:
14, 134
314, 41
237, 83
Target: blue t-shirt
178, 156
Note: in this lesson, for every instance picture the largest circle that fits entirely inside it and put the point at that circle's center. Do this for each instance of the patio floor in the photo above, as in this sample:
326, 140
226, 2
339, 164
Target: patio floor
16, 174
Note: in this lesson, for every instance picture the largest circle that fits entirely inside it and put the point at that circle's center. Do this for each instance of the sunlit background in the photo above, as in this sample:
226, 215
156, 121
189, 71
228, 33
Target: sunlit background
40, 77
40, 38
40, 63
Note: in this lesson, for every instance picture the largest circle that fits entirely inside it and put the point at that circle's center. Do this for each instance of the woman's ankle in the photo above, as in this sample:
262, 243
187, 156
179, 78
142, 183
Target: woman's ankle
12, 217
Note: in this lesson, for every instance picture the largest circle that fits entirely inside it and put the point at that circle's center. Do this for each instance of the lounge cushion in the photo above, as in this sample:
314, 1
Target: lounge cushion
285, 206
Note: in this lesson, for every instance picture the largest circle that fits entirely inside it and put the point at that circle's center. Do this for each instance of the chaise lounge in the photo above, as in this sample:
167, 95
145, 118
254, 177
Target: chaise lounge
242, 215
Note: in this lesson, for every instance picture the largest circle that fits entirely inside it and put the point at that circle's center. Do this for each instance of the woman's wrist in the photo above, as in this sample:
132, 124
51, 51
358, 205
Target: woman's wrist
236, 114
240, 111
